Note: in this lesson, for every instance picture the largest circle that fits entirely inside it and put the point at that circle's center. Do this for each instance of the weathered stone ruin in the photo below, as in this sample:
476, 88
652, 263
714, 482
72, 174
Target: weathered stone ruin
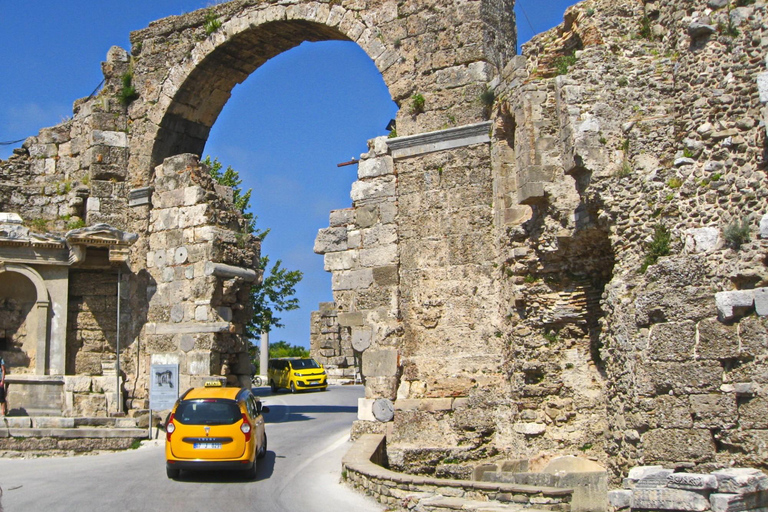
561, 253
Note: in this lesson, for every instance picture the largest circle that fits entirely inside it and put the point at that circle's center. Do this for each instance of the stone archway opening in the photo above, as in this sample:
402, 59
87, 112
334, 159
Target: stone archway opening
208, 86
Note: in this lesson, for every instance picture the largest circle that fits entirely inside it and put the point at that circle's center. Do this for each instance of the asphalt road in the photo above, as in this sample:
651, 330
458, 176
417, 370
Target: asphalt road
307, 436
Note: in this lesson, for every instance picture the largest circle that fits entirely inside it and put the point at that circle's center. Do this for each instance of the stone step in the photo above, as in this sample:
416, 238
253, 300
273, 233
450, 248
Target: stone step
441, 503
39, 422
74, 433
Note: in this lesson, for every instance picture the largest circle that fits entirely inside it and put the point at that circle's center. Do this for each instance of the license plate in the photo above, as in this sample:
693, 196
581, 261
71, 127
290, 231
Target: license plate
207, 446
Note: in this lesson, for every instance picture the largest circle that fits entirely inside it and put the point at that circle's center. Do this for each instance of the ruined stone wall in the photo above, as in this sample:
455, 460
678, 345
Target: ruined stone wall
330, 344
625, 118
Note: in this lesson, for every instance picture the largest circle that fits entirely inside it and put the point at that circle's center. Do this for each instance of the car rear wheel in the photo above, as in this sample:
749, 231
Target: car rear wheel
273, 386
172, 473
293, 387
263, 452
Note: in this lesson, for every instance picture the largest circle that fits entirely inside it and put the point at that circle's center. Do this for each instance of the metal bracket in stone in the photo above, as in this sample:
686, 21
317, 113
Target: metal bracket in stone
383, 410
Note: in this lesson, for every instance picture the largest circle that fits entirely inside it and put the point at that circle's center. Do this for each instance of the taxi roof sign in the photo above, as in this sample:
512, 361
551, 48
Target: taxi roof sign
213, 384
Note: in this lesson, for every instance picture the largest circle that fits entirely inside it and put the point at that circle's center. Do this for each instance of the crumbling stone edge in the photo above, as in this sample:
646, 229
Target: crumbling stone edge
363, 468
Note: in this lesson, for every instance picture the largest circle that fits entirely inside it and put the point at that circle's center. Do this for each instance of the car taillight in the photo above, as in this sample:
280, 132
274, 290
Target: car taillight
245, 428
169, 428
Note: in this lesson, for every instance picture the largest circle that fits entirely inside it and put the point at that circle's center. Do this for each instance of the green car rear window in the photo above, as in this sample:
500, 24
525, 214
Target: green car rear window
208, 412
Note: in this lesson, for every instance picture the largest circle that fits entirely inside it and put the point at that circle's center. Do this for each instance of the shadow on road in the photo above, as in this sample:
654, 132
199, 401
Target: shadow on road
266, 467
287, 413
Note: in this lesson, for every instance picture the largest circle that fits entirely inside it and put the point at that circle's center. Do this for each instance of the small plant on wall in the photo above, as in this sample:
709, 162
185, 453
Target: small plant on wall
659, 246
736, 233
128, 92
212, 23
417, 104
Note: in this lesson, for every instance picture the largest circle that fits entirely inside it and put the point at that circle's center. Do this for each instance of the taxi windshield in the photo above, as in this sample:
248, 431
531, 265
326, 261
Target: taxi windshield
208, 412
304, 364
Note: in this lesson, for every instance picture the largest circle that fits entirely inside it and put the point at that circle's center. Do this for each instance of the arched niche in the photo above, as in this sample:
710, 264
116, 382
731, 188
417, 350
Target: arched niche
29, 287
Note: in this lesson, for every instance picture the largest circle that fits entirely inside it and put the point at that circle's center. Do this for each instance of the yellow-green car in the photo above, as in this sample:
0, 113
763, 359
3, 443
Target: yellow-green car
296, 374
215, 427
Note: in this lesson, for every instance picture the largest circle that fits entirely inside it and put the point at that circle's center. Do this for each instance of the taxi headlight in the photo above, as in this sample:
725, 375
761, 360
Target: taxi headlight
296, 374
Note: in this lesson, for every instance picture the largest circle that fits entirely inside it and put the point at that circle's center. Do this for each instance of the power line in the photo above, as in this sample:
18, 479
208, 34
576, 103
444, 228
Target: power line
525, 15
9, 142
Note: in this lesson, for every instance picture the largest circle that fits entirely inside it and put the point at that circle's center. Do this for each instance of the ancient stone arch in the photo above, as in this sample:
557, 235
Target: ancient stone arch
184, 84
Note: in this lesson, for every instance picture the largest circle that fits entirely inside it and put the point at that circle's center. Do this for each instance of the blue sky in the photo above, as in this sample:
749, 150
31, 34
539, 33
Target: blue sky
284, 130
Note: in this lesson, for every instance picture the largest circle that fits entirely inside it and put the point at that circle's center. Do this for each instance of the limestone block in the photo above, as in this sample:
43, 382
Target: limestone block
692, 481
193, 195
764, 227
374, 167
372, 188
714, 410
341, 217
351, 319
196, 215
737, 502
365, 409
638, 473
741, 481
380, 363
110, 138
352, 279
380, 234
717, 340
734, 303
342, 260
669, 499
699, 240
379, 256
530, 429
386, 276
680, 445
761, 301
199, 363
672, 341
620, 498
167, 358
331, 240
77, 383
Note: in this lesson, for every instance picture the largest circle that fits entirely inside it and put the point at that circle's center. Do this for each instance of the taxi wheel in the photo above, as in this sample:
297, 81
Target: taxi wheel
293, 387
172, 473
263, 452
273, 386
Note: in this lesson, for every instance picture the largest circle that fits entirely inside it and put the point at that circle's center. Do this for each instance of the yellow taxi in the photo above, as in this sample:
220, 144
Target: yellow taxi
296, 373
213, 428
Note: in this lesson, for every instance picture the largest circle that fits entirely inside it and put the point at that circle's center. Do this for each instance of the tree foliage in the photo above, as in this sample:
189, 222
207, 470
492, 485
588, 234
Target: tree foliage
277, 293
283, 349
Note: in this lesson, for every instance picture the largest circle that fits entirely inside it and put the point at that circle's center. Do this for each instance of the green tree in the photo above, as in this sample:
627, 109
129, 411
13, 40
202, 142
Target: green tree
277, 292
283, 349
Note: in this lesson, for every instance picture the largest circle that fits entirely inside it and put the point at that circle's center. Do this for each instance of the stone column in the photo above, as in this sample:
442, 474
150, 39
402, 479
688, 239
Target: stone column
41, 334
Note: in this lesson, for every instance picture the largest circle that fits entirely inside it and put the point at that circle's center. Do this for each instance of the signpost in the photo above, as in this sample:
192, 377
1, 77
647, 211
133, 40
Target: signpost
163, 388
